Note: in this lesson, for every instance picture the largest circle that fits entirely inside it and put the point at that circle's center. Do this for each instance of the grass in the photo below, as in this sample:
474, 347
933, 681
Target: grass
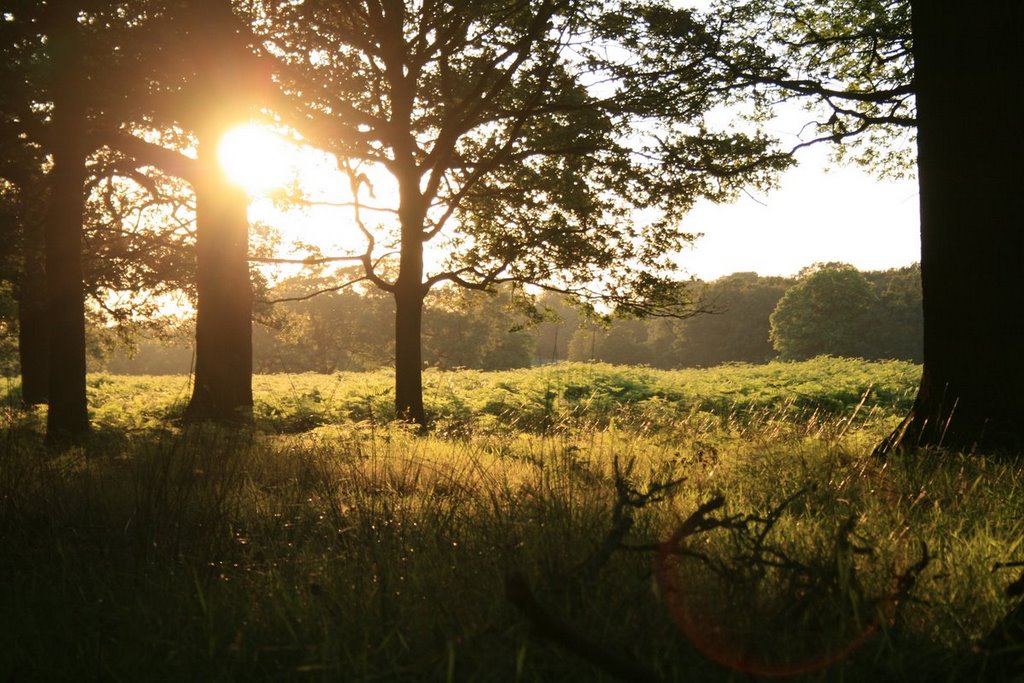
328, 543
535, 400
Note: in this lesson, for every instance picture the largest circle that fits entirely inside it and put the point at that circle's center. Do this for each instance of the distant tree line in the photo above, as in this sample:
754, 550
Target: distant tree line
830, 308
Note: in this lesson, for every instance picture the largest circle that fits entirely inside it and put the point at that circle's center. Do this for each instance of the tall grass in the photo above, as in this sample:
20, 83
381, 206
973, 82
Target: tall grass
327, 543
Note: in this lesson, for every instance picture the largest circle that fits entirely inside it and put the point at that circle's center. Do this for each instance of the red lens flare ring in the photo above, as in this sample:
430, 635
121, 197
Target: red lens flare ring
722, 644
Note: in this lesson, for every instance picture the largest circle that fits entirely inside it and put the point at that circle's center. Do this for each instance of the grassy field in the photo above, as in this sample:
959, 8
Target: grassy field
559, 523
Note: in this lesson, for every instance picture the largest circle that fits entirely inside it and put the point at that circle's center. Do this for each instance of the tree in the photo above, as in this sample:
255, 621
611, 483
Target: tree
825, 312
878, 67
33, 318
736, 328
897, 325
553, 142
972, 234
317, 324
68, 417
557, 322
22, 204
89, 197
464, 328
8, 318
224, 298
623, 342
23, 189
192, 71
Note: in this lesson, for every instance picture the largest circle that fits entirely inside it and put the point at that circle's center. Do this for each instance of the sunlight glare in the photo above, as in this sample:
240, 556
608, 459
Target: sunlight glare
257, 159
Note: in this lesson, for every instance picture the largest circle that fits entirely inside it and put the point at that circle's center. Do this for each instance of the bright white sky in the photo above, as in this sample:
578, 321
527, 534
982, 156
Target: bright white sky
821, 212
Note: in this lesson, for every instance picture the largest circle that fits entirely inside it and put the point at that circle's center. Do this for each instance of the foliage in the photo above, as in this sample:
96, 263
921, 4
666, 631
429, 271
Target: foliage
137, 222
835, 309
350, 329
8, 331
473, 330
361, 550
169, 355
736, 325
541, 399
735, 328
553, 331
621, 343
850, 63
525, 160
825, 312
309, 329
897, 323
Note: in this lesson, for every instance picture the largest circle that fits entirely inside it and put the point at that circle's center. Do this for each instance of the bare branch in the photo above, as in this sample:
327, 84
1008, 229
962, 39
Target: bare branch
307, 297
312, 261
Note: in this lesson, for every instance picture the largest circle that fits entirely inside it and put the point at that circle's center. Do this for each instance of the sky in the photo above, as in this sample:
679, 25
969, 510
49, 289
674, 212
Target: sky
821, 212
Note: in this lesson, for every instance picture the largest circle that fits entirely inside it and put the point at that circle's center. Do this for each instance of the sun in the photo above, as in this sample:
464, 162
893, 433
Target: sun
257, 159
300, 192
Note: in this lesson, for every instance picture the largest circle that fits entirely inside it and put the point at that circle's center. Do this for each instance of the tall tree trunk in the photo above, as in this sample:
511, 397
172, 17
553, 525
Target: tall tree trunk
223, 371
33, 318
409, 294
68, 417
968, 65
223, 93
409, 355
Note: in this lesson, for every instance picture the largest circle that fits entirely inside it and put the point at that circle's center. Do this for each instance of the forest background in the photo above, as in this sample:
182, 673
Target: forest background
830, 309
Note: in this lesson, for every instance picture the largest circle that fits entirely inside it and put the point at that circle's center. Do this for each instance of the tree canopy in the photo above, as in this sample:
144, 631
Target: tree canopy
550, 143
827, 311
849, 64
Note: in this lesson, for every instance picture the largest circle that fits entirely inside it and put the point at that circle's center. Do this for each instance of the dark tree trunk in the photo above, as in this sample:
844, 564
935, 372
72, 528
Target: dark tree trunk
223, 371
409, 294
68, 417
409, 355
969, 68
33, 318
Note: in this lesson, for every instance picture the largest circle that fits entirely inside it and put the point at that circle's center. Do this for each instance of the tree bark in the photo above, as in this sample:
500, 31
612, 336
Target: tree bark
409, 292
969, 67
68, 417
223, 371
222, 93
409, 356
33, 318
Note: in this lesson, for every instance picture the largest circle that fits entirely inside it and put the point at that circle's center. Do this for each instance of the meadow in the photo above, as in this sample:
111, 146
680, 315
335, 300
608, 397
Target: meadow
569, 522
